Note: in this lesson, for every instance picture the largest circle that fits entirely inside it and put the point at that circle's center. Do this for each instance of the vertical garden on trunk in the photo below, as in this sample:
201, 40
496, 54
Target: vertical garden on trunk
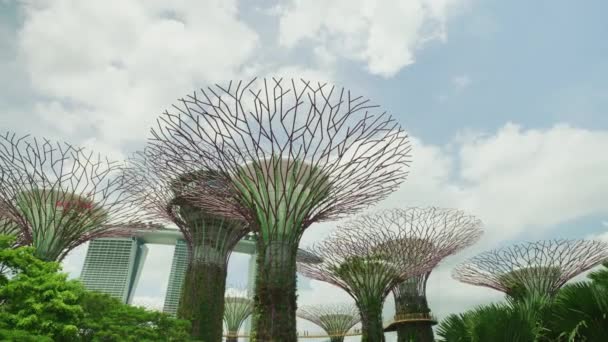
171, 194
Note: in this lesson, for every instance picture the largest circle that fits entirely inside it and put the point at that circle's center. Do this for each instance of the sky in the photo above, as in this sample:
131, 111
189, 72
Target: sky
505, 101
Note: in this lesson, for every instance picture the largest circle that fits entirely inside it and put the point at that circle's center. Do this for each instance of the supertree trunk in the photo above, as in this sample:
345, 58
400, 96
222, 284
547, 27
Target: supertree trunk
371, 323
336, 339
202, 300
414, 305
275, 301
232, 338
416, 332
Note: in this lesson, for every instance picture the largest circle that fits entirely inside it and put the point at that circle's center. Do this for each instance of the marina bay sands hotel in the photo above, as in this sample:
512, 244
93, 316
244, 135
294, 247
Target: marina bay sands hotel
113, 265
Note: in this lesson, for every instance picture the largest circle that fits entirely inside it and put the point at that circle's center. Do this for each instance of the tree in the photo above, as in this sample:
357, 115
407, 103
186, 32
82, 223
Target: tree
532, 268
162, 189
58, 196
36, 298
581, 310
514, 321
108, 319
600, 276
38, 303
335, 319
577, 312
294, 153
367, 260
238, 308
438, 231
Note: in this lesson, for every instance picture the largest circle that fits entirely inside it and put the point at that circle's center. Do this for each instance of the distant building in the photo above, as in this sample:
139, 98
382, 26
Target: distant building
113, 265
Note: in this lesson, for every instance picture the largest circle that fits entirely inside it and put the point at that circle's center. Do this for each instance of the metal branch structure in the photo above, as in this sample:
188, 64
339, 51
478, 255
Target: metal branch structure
60, 196
439, 231
532, 268
9, 227
294, 153
237, 308
210, 238
335, 319
367, 261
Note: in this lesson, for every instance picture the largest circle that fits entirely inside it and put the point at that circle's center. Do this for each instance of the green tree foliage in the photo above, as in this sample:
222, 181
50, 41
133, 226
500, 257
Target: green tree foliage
108, 319
600, 277
35, 297
579, 313
38, 303
515, 321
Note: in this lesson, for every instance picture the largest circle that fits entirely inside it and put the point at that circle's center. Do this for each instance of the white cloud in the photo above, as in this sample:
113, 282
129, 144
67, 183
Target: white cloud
117, 66
383, 34
603, 236
460, 82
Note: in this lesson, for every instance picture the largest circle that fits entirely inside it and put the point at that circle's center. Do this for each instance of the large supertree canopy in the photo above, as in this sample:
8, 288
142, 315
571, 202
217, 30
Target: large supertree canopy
238, 306
162, 189
532, 268
438, 231
368, 261
335, 319
60, 196
294, 153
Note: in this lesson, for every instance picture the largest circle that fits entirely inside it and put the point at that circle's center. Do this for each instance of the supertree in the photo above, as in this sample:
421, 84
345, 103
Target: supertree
60, 196
368, 261
335, 319
8, 227
438, 231
238, 306
532, 268
294, 153
161, 189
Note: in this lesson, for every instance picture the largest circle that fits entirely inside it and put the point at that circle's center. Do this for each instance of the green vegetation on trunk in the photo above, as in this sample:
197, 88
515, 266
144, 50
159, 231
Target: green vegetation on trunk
281, 195
371, 321
275, 300
202, 300
414, 313
415, 332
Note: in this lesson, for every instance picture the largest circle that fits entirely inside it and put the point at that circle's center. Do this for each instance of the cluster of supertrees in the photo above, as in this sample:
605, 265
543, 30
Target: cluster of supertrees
271, 158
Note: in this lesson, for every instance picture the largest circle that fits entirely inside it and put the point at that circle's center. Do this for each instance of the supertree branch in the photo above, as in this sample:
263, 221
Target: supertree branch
294, 153
322, 152
161, 189
540, 267
167, 193
238, 306
368, 261
441, 232
335, 319
61, 196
